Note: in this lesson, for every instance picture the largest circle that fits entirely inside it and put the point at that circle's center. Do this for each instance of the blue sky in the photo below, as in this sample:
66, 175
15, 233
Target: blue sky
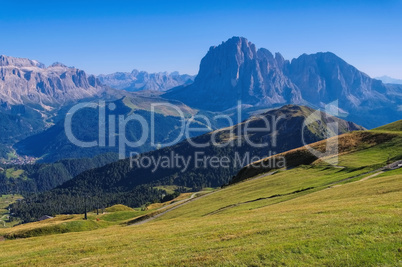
109, 36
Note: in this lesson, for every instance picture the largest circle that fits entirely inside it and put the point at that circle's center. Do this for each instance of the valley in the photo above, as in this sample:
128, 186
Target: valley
131, 183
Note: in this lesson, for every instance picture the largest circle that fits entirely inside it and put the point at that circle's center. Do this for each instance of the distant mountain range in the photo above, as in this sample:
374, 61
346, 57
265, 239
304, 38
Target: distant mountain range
142, 80
387, 79
24, 81
237, 71
34, 98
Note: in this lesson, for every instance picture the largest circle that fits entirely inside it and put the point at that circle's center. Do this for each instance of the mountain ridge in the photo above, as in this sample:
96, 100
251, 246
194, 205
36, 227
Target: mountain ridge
141, 80
25, 81
237, 71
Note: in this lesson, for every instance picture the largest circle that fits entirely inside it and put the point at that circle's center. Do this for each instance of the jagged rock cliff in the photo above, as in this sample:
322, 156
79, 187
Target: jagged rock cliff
24, 81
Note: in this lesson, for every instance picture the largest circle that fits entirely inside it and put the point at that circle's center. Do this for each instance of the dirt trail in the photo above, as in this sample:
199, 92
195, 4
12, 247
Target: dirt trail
371, 176
393, 166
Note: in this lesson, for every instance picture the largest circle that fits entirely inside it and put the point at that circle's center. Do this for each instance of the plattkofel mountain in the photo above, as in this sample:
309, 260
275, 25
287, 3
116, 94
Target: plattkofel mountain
237, 71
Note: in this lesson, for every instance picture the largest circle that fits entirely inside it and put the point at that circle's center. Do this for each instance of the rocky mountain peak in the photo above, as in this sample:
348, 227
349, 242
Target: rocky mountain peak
6, 61
324, 77
58, 64
25, 81
234, 51
236, 71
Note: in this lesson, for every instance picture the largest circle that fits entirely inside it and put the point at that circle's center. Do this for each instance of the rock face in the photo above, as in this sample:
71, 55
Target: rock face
324, 77
141, 80
24, 81
236, 70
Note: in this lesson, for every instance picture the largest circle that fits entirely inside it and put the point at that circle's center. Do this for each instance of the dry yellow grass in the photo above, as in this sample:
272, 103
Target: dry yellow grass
356, 224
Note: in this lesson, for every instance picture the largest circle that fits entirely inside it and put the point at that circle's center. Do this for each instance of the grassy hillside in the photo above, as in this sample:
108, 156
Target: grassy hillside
395, 127
360, 150
315, 214
101, 218
114, 183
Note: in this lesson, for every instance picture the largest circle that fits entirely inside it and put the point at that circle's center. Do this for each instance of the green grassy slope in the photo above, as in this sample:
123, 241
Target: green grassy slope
367, 150
309, 215
101, 218
395, 126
